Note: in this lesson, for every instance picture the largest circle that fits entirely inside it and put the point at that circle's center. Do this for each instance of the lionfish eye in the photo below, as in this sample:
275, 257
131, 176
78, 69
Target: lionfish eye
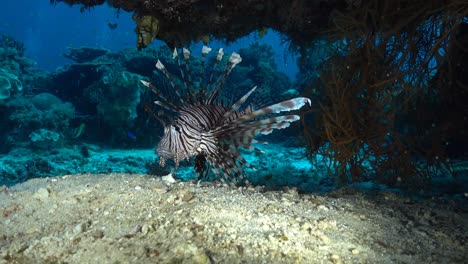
177, 129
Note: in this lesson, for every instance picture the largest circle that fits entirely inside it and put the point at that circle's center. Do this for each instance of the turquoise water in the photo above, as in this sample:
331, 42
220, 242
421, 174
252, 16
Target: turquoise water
72, 101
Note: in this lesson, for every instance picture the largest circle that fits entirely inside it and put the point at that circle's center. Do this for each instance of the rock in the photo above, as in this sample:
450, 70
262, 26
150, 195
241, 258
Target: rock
146, 228
187, 197
80, 228
168, 179
96, 234
42, 194
322, 207
159, 190
201, 258
334, 258
84, 54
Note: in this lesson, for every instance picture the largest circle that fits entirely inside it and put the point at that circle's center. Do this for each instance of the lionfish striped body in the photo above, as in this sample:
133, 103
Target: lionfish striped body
212, 132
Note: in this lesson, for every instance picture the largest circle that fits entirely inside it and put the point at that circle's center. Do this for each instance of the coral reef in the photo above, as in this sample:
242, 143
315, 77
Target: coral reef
97, 99
44, 139
12, 57
84, 54
105, 91
16, 47
24, 115
8, 82
117, 96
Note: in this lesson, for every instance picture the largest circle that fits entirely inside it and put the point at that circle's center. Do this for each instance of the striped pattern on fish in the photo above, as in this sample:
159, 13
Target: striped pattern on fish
208, 130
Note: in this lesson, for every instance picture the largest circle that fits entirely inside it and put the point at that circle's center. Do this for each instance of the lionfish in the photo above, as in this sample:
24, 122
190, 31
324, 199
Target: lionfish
208, 130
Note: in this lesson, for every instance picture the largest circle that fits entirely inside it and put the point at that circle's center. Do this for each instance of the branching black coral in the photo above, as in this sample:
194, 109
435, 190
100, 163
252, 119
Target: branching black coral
380, 108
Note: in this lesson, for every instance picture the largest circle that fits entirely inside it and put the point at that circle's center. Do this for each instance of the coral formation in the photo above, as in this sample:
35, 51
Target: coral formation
181, 21
15, 47
44, 139
12, 57
84, 54
28, 114
118, 95
147, 29
8, 82
383, 93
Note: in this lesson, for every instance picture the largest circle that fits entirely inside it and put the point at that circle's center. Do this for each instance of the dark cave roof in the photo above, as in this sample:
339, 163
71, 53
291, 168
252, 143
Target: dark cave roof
182, 21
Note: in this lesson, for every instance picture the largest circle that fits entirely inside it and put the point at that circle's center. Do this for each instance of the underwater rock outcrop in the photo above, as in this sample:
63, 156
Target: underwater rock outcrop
12, 57
181, 21
84, 54
117, 96
147, 29
28, 114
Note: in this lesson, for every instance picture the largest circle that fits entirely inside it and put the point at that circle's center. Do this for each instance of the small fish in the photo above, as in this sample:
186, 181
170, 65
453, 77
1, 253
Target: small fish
112, 25
291, 92
131, 135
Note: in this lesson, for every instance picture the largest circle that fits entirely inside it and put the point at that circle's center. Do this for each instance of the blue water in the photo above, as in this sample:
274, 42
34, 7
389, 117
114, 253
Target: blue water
64, 120
65, 127
48, 30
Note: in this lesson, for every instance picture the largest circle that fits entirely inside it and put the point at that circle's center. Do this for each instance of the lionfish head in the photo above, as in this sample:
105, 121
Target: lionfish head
164, 150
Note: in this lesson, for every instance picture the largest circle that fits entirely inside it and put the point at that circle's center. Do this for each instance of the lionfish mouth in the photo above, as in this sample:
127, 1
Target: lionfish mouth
205, 125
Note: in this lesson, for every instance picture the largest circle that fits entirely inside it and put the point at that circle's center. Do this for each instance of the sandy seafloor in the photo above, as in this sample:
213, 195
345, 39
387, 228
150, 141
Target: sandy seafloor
131, 218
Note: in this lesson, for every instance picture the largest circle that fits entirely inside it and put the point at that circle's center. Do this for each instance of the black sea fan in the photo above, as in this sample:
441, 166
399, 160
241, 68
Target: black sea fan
212, 132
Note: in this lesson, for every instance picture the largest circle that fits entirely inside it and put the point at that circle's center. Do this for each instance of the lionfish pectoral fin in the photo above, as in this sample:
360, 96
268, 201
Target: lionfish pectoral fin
285, 106
254, 141
242, 135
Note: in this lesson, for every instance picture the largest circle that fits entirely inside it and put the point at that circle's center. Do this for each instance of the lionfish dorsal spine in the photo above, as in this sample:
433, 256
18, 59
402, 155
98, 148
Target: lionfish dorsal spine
219, 57
160, 66
234, 59
205, 51
183, 76
186, 54
235, 107
167, 104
